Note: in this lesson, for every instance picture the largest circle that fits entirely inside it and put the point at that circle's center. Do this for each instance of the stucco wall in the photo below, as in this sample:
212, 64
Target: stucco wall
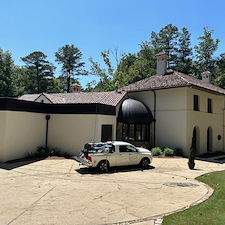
171, 106
202, 119
2, 135
176, 119
22, 134
68, 133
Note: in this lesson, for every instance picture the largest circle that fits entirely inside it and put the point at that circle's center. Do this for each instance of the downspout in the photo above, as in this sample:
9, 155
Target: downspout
154, 132
96, 117
47, 117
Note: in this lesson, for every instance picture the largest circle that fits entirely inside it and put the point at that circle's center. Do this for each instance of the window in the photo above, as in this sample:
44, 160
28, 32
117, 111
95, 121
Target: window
127, 148
106, 133
136, 132
210, 105
196, 103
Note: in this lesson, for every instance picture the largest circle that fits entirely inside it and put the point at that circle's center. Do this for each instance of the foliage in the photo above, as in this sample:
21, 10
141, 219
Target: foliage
183, 59
70, 58
168, 152
205, 50
43, 152
156, 151
39, 70
166, 41
6, 72
178, 152
38, 74
105, 74
210, 211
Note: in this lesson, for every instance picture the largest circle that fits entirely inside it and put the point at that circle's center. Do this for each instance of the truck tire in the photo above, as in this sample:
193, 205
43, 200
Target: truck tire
144, 162
103, 166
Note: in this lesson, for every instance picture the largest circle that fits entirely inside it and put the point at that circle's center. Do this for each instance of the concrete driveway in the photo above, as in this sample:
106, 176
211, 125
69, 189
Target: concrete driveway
59, 191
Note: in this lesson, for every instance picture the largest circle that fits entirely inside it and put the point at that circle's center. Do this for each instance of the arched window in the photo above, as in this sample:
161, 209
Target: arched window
196, 138
135, 119
209, 139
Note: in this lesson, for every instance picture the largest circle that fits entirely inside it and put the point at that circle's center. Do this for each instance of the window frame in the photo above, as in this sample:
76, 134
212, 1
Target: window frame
136, 132
196, 102
209, 105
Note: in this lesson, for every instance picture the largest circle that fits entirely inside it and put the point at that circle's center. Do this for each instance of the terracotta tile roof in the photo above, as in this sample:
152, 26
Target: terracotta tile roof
107, 98
29, 97
170, 80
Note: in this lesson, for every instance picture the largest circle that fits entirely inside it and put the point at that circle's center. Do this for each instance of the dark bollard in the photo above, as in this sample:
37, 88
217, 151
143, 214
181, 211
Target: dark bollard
191, 161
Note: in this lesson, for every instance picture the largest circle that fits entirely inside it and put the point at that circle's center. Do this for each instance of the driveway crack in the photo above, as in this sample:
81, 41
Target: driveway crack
31, 206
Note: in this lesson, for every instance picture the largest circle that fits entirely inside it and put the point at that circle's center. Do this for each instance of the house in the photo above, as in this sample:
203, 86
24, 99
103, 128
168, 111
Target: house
184, 108
166, 110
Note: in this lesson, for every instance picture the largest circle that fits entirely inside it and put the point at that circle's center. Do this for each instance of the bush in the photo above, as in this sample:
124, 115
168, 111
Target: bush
156, 151
168, 152
178, 152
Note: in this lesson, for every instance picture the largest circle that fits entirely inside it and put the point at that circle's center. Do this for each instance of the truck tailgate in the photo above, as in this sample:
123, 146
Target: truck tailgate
83, 161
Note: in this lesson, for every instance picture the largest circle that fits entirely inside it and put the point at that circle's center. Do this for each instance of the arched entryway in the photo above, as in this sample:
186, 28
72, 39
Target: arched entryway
209, 139
133, 123
196, 138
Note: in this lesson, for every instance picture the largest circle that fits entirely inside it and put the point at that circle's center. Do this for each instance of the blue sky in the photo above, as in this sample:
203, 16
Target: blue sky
97, 25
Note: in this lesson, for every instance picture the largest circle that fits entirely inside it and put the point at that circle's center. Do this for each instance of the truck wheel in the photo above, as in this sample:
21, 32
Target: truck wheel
145, 162
103, 166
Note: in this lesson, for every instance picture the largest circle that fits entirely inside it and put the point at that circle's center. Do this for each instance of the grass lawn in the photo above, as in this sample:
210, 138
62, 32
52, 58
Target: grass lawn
209, 212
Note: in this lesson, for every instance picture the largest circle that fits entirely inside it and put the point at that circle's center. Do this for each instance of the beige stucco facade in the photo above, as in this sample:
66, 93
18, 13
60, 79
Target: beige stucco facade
69, 132
204, 120
176, 119
20, 134
174, 125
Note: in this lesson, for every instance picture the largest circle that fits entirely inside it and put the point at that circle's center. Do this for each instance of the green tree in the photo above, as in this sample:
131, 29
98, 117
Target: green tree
184, 52
166, 41
205, 50
21, 82
6, 71
134, 67
40, 71
70, 58
105, 74
122, 75
220, 71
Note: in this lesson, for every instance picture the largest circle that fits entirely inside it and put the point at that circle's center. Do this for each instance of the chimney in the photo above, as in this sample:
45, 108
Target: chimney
206, 76
75, 88
161, 63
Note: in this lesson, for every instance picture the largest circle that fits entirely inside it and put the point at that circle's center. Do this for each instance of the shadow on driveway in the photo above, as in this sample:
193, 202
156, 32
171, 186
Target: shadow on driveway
122, 169
10, 165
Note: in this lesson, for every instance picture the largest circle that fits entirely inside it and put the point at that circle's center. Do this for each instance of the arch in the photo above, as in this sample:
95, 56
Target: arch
134, 119
134, 112
209, 139
196, 139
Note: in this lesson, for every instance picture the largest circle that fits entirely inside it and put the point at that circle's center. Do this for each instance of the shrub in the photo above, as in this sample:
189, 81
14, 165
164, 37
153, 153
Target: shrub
178, 152
168, 152
42, 151
156, 151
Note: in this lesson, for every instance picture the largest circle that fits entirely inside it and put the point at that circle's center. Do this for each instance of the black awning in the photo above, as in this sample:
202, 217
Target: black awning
134, 112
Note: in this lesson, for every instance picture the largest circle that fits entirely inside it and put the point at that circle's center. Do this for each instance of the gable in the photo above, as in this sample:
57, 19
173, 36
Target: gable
42, 98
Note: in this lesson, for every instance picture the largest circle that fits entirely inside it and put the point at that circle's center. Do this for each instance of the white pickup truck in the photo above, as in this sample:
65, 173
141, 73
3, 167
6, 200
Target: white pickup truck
111, 154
